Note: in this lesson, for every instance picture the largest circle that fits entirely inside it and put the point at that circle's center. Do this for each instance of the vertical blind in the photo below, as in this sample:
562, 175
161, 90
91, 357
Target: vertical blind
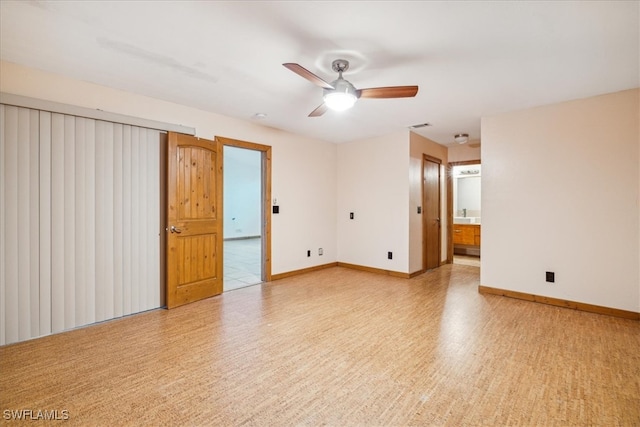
79, 222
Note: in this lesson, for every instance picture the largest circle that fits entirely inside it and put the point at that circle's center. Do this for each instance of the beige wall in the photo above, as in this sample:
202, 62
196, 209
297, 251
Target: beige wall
304, 169
372, 183
464, 152
560, 192
372, 177
419, 146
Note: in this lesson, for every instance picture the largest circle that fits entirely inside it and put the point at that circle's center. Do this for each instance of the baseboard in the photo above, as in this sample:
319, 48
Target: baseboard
353, 267
417, 273
561, 303
302, 271
375, 270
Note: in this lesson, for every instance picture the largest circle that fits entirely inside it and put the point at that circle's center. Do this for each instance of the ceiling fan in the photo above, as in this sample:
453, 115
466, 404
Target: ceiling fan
340, 94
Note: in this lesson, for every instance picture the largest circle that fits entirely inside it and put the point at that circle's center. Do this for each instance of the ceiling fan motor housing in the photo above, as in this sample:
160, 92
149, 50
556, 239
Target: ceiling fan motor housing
341, 86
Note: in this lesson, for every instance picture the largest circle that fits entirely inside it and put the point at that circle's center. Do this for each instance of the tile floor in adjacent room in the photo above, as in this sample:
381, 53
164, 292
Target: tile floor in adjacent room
242, 263
473, 261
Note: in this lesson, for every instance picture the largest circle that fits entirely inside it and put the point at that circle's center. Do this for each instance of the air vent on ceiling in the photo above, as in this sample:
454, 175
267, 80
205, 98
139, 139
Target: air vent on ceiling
421, 125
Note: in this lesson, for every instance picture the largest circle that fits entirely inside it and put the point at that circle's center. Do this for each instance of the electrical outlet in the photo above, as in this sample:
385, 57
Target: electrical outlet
551, 276
320, 251
389, 255
350, 215
309, 253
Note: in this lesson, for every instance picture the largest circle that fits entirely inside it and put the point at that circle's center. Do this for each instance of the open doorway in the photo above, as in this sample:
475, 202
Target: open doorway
242, 218
467, 213
246, 214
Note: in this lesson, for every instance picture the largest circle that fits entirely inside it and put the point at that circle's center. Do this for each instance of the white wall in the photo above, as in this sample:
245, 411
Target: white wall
372, 177
242, 192
560, 192
303, 169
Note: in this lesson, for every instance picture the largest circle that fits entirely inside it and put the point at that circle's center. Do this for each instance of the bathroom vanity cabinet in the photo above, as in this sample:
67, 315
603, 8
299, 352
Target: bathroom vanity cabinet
466, 234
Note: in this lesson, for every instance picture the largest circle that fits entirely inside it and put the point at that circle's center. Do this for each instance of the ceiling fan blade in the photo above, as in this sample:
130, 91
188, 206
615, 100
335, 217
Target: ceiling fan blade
303, 72
319, 111
388, 92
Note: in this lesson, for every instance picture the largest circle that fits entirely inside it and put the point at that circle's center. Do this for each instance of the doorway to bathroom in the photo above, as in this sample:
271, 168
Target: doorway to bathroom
466, 191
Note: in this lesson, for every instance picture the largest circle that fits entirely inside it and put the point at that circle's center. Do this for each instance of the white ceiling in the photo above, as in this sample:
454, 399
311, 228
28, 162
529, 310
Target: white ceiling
470, 59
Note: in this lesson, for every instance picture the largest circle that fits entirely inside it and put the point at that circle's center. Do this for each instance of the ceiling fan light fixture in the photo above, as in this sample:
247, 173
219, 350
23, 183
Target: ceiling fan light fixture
342, 97
339, 101
461, 138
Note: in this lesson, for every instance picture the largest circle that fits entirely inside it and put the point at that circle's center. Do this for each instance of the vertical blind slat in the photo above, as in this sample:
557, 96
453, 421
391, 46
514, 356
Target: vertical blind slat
80, 222
135, 213
57, 223
126, 220
107, 199
117, 220
69, 222
11, 224
24, 270
101, 230
142, 231
90, 219
34, 222
45, 223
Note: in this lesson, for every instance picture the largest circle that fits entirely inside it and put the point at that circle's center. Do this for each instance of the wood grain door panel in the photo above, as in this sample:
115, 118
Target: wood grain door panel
431, 215
194, 242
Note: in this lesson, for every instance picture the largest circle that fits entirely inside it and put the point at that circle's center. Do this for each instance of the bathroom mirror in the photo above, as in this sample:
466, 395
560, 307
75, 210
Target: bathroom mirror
467, 191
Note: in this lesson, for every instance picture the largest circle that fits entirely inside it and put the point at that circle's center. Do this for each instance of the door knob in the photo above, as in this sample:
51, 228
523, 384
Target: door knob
174, 229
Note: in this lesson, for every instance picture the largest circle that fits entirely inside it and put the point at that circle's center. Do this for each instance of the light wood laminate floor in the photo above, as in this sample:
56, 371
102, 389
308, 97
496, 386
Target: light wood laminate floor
338, 347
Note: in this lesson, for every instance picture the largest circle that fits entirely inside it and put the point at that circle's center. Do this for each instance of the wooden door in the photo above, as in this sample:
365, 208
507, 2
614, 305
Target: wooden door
194, 220
431, 216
